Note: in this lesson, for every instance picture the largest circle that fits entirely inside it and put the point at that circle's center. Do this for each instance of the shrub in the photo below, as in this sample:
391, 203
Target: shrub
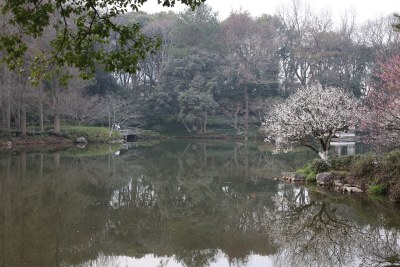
311, 169
394, 192
363, 167
377, 189
342, 163
319, 165
308, 172
391, 164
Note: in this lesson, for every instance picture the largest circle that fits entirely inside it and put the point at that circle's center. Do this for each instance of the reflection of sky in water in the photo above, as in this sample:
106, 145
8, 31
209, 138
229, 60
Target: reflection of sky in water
154, 261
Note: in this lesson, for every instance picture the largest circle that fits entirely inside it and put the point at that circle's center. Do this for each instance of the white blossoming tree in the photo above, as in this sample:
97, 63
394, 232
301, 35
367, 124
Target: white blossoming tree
311, 114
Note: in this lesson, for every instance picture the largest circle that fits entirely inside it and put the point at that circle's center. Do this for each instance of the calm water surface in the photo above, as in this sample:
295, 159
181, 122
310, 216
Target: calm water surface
183, 204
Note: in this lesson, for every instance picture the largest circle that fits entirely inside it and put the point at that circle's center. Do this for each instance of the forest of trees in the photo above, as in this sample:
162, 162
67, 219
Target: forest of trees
207, 73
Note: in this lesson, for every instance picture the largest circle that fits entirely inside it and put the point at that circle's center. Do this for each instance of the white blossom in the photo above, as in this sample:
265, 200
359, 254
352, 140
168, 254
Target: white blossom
314, 113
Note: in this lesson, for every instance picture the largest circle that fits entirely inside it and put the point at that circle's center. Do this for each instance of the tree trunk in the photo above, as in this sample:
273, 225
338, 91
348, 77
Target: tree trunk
17, 116
205, 122
187, 128
323, 155
23, 113
56, 123
246, 113
41, 116
56, 120
325, 143
8, 110
7, 99
183, 121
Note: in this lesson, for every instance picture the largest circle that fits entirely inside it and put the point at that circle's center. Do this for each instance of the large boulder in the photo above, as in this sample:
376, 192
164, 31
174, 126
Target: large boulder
325, 178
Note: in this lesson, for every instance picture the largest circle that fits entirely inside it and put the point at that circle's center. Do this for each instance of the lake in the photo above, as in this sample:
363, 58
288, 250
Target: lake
183, 203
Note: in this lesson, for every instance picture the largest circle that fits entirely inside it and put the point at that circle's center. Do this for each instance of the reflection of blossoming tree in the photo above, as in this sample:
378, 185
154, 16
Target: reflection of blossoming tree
311, 233
309, 114
381, 248
382, 120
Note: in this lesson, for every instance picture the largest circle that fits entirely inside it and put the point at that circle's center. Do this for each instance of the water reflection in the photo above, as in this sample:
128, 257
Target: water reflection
335, 231
182, 204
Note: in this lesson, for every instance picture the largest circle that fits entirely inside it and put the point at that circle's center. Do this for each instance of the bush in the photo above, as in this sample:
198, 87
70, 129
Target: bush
319, 165
311, 169
363, 167
394, 192
308, 172
377, 189
343, 163
391, 164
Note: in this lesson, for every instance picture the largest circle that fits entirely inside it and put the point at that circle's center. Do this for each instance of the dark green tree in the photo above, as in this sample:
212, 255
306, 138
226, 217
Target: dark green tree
81, 34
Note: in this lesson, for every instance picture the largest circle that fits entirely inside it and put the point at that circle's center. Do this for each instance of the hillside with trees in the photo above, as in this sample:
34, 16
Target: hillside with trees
198, 74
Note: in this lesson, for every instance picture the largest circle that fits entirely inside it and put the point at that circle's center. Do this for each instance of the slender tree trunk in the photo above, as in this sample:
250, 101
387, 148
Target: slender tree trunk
110, 124
187, 128
183, 121
56, 119
8, 110
56, 123
246, 161
235, 123
41, 116
205, 122
23, 113
17, 116
246, 113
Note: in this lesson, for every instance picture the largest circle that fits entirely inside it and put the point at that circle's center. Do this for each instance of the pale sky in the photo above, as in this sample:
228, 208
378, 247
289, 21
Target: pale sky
365, 9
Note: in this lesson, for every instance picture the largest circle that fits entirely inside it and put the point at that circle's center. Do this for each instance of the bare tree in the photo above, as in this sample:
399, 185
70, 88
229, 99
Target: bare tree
251, 49
81, 108
122, 112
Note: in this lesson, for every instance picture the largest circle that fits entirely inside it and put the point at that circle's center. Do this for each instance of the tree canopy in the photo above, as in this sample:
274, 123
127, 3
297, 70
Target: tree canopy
232, 70
314, 112
82, 34
381, 122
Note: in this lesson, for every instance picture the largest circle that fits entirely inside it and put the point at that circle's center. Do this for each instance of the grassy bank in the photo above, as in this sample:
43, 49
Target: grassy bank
375, 174
68, 136
91, 134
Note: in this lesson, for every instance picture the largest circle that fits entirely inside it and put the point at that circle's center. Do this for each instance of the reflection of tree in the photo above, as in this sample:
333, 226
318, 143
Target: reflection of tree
191, 202
48, 215
194, 258
312, 233
380, 247
197, 209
